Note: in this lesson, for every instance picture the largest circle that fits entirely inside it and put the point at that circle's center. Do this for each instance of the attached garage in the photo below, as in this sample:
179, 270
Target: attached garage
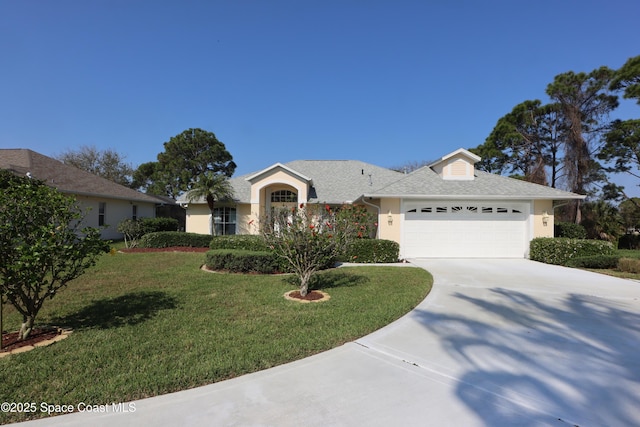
465, 229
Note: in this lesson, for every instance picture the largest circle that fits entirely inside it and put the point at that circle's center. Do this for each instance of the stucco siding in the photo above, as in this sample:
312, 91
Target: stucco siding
389, 221
198, 219
115, 212
539, 209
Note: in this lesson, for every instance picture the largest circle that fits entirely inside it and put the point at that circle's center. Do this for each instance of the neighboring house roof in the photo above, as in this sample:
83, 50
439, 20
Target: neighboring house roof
339, 181
426, 183
67, 179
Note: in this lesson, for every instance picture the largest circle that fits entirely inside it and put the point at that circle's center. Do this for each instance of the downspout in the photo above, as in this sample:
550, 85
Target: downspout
378, 209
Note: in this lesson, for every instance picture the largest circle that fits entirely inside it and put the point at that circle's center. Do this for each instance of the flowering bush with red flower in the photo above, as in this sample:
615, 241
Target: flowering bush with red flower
308, 238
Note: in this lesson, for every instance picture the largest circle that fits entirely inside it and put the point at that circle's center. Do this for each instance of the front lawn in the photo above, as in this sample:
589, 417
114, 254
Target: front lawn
150, 324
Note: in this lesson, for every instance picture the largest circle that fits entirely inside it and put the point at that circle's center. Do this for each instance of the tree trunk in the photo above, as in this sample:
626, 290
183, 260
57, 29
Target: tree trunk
212, 227
304, 284
26, 328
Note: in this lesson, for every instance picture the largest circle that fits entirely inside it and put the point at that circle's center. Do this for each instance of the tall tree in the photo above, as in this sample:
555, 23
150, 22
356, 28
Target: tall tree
107, 163
190, 155
212, 187
622, 146
627, 78
622, 141
524, 142
149, 178
584, 100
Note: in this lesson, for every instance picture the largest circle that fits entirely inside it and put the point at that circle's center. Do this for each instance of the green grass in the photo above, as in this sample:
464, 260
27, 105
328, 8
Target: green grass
150, 324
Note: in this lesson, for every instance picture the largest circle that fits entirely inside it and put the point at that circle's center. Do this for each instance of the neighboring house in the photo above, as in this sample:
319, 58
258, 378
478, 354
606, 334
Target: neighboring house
446, 209
109, 203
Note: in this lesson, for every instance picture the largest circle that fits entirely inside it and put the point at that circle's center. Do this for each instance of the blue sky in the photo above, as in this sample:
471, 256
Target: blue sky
385, 82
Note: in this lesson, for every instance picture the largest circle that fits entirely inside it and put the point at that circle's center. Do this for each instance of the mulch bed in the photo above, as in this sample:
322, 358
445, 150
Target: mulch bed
171, 249
10, 339
311, 295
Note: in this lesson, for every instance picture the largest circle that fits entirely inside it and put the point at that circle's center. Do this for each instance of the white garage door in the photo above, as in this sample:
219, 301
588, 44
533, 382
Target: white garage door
464, 230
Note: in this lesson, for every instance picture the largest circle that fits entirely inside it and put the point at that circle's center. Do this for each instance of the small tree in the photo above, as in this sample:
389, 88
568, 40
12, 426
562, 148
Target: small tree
42, 244
308, 238
132, 230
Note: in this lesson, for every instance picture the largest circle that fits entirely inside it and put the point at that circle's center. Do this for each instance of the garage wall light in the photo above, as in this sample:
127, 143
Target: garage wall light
545, 218
389, 218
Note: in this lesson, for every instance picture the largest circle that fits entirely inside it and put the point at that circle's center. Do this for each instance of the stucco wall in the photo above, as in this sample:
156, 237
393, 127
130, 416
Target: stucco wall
539, 208
116, 211
278, 177
389, 208
198, 219
247, 223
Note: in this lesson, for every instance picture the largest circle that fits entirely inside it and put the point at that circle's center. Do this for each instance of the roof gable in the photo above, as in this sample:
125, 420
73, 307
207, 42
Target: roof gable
458, 165
277, 167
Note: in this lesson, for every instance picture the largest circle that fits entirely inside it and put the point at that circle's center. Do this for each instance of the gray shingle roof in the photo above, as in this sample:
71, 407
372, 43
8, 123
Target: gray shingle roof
425, 183
67, 179
338, 181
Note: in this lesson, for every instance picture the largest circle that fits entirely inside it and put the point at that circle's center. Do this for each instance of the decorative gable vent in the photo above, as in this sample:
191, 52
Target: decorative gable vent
458, 165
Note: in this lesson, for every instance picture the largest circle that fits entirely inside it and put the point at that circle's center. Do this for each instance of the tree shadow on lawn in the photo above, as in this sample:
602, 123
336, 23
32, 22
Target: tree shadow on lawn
337, 279
525, 361
128, 309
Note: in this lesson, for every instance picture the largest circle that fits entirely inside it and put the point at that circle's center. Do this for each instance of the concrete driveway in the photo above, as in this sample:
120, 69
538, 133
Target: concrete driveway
496, 343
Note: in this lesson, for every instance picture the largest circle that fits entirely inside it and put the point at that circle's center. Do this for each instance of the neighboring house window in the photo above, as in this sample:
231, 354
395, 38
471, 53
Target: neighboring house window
102, 212
284, 196
134, 212
224, 219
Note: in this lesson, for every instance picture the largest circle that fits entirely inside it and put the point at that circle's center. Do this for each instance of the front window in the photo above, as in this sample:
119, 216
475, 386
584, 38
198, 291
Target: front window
134, 212
224, 219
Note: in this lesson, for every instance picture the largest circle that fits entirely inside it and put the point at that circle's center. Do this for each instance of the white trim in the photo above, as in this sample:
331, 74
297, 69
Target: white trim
462, 151
275, 166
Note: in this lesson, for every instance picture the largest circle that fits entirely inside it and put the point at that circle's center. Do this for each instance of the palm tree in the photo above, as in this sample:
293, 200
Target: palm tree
212, 187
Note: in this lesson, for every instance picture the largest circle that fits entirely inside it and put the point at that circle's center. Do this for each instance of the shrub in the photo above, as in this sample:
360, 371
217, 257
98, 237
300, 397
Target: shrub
629, 241
239, 241
131, 231
308, 239
570, 230
371, 250
153, 225
167, 239
629, 265
595, 261
560, 250
242, 261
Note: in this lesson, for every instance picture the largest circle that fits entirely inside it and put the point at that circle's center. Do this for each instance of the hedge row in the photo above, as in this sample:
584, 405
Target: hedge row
560, 250
371, 251
242, 261
594, 261
245, 242
629, 265
361, 250
167, 239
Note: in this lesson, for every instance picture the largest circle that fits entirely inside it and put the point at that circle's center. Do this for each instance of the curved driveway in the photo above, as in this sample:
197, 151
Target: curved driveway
496, 343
